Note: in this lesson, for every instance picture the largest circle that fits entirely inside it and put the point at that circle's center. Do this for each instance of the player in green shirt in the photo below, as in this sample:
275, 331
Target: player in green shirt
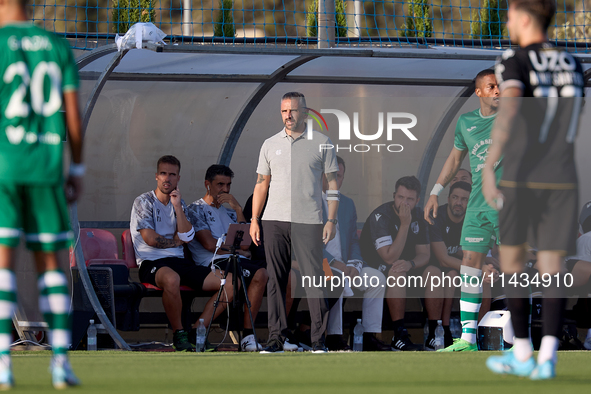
38, 79
480, 229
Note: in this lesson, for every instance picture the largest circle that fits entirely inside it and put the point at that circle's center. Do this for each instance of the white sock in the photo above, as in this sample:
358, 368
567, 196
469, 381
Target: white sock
548, 349
522, 349
588, 334
60, 360
5, 362
470, 302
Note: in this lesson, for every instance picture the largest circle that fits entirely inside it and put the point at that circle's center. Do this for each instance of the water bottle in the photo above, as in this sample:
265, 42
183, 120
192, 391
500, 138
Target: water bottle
91, 336
201, 331
358, 337
439, 342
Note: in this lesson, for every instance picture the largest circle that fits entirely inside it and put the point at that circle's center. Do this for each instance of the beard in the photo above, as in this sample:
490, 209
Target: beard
458, 215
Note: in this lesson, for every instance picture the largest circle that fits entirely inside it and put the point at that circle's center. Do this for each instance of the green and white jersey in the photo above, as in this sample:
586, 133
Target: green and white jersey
473, 134
36, 68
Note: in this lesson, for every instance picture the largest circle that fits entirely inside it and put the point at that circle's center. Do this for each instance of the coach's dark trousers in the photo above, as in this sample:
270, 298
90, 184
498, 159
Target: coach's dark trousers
305, 242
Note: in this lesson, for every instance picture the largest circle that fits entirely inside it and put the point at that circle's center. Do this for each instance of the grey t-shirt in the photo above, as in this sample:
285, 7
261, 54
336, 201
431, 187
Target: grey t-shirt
205, 217
149, 213
296, 168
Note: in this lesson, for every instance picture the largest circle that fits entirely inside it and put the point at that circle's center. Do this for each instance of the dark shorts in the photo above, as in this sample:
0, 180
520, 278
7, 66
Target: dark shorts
417, 271
191, 275
249, 268
545, 218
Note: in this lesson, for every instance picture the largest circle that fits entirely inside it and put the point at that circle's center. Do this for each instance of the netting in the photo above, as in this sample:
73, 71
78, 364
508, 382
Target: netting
465, 23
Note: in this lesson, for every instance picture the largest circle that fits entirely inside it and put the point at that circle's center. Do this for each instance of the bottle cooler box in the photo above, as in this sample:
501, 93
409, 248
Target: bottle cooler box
495, 331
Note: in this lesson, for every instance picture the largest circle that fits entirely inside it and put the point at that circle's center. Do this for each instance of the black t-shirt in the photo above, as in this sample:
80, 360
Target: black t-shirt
446, 231
539, 152
380, 229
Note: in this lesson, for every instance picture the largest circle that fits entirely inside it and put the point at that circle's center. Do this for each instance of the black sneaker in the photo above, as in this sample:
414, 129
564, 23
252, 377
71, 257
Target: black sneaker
180, 341
336, 343
273, 346
401, 341
300, 336
318, 347
448, 340
430, 344
373, 344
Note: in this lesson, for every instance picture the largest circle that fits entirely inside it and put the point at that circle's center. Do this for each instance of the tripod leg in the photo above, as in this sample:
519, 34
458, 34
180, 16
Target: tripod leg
247, 301
215, 307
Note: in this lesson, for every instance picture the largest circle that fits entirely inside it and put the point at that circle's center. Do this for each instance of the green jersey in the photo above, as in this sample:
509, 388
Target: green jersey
473, 134
36, 68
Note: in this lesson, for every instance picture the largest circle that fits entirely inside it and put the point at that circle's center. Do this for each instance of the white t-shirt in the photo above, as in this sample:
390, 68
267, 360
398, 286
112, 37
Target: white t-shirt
149, 213
583, 248
206, 217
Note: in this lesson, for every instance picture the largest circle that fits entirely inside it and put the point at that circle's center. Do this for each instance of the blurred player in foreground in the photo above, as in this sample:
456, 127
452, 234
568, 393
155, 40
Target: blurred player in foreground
38, 78
541, 98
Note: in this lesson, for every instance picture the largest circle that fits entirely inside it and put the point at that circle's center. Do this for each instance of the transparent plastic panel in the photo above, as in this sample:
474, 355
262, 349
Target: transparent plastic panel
133, 124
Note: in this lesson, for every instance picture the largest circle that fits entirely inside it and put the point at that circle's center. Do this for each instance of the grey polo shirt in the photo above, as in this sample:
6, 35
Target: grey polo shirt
296, 168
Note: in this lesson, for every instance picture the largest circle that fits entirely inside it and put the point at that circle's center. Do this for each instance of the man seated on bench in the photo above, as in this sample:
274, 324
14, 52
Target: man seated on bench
159, 228
210, 219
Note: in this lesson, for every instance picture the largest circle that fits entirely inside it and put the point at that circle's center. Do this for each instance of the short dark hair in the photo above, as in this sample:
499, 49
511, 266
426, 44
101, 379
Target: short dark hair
293, 95
468, 171
462, 185
341, 161
482, 74
542, 11
586, 226
218, 169
168, 159
409, 182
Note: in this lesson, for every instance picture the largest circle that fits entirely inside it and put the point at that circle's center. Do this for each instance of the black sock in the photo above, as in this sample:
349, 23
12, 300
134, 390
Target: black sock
247, 331
432, 327
398, 324
518, 305
446, 331
553, 305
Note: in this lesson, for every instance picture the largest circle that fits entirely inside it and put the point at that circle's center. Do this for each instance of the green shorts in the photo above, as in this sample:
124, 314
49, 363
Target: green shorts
480, 231
40, 211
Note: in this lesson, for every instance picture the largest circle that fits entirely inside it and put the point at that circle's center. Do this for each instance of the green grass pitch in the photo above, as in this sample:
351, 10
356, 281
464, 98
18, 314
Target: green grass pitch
302, 373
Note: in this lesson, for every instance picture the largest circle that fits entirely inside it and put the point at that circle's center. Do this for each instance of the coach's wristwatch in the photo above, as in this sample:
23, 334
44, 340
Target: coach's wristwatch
333, 221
